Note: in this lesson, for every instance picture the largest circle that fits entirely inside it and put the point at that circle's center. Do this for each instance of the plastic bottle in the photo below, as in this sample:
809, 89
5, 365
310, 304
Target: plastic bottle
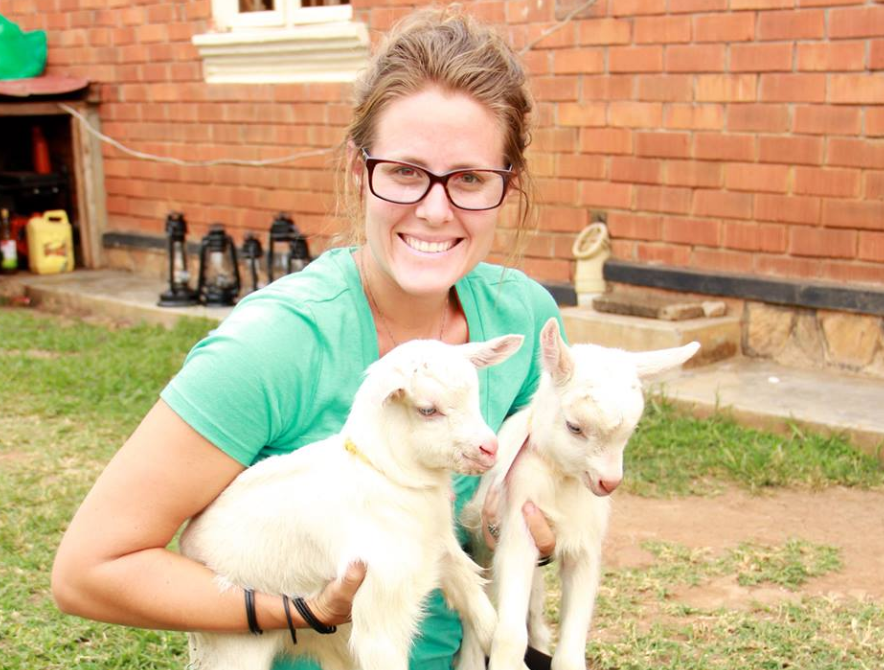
8, 252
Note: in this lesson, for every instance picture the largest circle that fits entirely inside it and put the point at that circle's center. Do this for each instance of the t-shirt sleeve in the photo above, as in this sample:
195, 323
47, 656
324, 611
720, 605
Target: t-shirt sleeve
250, 380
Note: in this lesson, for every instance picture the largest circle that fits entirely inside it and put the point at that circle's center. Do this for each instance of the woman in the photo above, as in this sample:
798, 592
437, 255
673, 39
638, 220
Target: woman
436, 146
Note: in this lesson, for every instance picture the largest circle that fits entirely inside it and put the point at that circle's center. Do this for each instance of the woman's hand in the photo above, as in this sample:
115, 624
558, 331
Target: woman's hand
333, 605
538, 526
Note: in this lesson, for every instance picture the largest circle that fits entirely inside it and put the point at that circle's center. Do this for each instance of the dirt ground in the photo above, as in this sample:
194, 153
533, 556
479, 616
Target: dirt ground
852, 520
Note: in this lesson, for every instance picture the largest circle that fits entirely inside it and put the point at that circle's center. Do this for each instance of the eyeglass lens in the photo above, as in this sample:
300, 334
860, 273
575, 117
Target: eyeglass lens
470, 189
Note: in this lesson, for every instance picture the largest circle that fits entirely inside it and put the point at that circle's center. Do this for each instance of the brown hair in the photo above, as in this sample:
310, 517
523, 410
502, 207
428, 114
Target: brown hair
449, 49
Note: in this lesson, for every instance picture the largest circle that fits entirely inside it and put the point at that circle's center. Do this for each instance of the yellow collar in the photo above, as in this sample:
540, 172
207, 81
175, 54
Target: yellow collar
350, 446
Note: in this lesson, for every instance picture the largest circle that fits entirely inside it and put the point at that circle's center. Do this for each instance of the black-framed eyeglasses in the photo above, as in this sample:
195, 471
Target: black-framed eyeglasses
472, 189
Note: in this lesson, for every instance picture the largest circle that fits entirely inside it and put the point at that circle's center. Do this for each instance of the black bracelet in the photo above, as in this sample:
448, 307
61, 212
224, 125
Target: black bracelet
251, 616
288, 617
312, 621
545, 560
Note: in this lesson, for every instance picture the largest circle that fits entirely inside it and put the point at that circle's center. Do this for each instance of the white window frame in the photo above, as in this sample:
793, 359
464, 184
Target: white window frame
289, 44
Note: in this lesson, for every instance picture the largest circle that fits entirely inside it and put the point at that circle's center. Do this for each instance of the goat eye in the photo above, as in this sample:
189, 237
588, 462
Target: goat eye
427, 411
574, 428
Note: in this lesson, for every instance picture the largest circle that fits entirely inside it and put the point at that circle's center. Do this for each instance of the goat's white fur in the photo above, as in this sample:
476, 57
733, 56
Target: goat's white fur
587, 405
291, 524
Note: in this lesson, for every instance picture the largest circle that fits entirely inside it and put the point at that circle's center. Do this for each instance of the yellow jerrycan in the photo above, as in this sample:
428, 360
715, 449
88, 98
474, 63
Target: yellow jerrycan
50, 243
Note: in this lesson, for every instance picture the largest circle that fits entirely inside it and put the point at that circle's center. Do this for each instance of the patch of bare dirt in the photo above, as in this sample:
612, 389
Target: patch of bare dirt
850, 519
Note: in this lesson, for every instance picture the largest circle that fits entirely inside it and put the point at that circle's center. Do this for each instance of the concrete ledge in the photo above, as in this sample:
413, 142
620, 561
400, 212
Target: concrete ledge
719, 337
109, 293
774, 397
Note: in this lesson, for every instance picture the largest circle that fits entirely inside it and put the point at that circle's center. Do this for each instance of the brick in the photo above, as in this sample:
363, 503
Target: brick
856, 22
713, 146
852, 272
742, 236
662, 30
555, 88
581, 114
665, 88
876, 55
727, 261
723, 204
578, 61
792, 25
558, 191
696, 6
695, 58
663, 254
725, 27
635, 59
564, 36
698, 232
775, 57
832, 56
784, 266
547, 269
635, 114
874, 122
853, 214
790, 150
605, 194
822, 243
663, 199
636, 170
787, 209
580, 166
727, 88
694, 174
829, 183
793, 88
874, 188
871, 247
663, 145
756, 178
855, 153
829, 3
604, 32
827, 120
618, 87
857, 89
758, 118
555, 139
635, 227
606, 141
636, 7
737, 5
693, 117
563, 219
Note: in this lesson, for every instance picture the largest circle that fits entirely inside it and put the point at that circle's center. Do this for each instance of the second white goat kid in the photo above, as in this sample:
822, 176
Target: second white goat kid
565, 454
377, 492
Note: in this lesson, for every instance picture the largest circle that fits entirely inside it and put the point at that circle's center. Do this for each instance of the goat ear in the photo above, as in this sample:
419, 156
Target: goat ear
555, 355
492, 352
650, 363
395, 395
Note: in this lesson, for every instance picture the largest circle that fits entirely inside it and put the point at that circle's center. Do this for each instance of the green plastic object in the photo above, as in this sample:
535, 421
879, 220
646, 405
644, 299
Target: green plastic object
22, 54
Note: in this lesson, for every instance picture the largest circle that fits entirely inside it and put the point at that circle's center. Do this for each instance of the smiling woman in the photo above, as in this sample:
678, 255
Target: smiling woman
435, 148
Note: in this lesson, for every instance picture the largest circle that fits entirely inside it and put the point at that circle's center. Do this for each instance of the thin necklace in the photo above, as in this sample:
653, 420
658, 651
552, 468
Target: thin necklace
377, 307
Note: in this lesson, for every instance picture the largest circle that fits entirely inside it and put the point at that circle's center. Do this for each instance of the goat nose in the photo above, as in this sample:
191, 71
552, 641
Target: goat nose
489, 446
608, 485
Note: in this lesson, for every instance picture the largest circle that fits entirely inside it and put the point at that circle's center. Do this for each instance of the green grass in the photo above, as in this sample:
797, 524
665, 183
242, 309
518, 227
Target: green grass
674, 454
71, 393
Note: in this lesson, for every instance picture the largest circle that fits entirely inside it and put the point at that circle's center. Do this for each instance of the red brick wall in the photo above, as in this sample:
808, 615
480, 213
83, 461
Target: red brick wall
737, 135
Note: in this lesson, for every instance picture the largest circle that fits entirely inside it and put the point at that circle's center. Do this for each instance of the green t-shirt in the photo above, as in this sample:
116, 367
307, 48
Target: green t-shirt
281, 372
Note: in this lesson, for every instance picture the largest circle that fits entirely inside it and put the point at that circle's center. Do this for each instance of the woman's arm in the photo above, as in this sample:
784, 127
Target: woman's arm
113, 565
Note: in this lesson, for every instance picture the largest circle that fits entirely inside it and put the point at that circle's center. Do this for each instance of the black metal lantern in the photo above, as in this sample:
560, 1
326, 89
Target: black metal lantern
219, 272
179, 294
252, 252
287, 250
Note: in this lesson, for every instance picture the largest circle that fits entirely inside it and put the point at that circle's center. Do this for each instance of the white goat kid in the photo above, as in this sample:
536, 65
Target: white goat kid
378, 492
565, 454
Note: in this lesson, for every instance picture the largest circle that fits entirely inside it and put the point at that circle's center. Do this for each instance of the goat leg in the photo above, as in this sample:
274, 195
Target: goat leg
580, 583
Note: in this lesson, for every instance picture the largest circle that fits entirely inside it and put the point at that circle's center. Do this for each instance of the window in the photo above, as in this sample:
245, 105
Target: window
275, 41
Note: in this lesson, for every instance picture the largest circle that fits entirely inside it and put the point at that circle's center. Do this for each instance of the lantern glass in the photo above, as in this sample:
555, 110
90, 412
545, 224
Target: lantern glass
219, 283
179, 294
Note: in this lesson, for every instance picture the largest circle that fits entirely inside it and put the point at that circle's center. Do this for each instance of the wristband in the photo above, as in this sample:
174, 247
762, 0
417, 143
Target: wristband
312, 621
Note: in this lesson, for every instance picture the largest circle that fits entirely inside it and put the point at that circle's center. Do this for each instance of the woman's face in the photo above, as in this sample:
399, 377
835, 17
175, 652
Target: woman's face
428, 246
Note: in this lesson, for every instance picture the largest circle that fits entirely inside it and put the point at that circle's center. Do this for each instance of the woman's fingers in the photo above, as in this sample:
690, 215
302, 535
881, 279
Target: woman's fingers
540, 530
333, 605
490, 528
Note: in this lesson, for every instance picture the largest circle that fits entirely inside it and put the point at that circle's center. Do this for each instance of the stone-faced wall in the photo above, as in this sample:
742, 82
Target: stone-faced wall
815, 338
